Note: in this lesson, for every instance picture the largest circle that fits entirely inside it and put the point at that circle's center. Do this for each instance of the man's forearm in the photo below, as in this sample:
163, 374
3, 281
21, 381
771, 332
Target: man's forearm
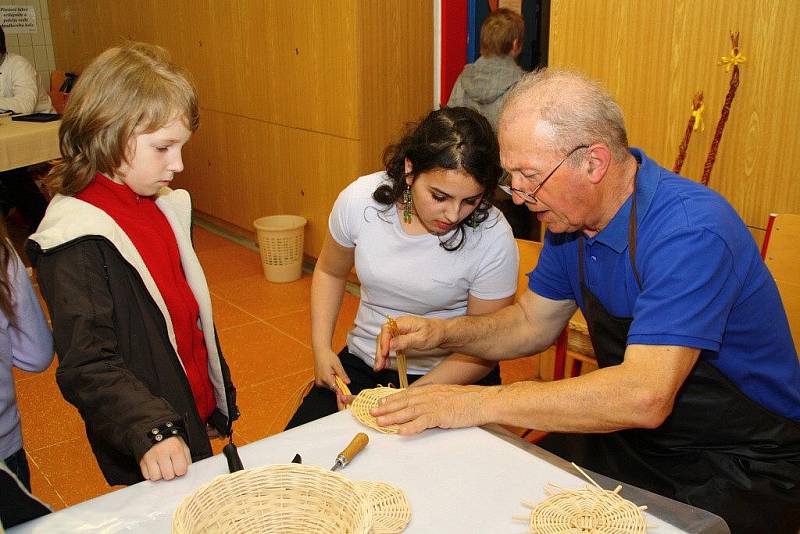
502, 335
605, 400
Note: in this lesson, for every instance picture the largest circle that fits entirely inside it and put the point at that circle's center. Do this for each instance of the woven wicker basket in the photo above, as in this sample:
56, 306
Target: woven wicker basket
292, 499
368, 399
578, 339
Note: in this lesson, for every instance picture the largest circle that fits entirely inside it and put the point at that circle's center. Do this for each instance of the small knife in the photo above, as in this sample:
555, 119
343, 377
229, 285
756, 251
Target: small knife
346, 456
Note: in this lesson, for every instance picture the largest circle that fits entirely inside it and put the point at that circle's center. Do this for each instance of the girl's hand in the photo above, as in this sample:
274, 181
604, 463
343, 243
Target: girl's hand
327, 367
167, 460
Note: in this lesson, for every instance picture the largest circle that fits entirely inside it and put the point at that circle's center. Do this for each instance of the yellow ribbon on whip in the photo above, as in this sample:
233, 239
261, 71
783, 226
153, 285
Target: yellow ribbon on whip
736, 58
697, 115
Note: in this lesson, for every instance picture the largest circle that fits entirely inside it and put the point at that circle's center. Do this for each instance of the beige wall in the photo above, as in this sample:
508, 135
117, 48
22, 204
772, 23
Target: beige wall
297, 98
655, 54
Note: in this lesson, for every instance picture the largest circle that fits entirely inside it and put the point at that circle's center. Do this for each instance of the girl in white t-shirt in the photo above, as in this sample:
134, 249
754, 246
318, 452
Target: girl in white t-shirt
425, 240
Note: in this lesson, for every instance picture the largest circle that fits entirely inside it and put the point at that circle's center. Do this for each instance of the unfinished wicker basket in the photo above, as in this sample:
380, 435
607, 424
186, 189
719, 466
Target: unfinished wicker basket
292, 499
391, 511
368, 399
586, 511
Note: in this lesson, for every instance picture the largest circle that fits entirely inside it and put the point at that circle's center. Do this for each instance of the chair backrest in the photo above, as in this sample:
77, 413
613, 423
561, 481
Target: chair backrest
528, 258
783, 258
58, 98
57, 78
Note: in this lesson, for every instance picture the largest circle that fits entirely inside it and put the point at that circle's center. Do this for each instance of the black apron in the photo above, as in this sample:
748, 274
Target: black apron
718, 450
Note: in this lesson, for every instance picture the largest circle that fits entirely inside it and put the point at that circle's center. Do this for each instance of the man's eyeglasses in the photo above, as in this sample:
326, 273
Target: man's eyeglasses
505, 184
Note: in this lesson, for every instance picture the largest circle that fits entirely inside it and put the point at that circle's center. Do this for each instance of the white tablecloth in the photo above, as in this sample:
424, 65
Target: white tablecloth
467, 480
27, 143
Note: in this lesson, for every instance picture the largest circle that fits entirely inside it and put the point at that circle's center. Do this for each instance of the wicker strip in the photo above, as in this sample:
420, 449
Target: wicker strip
368, 399
289, 498
402, 367
391, 510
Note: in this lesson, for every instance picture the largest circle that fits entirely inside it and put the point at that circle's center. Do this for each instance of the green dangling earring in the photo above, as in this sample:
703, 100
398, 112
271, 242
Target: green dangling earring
408, 205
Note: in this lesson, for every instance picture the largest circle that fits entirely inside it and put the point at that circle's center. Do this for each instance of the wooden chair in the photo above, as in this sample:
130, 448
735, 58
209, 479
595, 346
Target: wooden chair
573, 347
781, 253
528, 258
579, 347
58, 98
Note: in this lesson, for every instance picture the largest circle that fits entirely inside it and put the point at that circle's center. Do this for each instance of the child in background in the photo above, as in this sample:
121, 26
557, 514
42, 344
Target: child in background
129, 303
483, 85
25, 343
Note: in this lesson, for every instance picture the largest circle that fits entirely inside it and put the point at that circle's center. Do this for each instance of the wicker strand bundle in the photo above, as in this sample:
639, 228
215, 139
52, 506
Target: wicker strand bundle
368, 399
402, 367
342, 387
591, 510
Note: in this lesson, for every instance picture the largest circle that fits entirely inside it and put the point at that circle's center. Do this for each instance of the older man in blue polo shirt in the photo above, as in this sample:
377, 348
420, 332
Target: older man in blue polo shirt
698, 392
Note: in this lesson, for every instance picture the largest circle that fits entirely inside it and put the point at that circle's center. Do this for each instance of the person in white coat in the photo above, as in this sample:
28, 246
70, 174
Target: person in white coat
19, 84
20, 94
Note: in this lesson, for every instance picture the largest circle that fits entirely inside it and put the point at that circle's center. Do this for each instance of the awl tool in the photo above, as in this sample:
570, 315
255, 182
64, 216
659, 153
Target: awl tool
346, 456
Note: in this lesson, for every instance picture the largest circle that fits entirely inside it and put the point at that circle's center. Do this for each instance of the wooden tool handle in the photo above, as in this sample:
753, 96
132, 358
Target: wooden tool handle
356, 446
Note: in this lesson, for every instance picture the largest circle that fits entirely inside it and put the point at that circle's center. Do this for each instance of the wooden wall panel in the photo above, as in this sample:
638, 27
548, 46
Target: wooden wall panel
297, 98
396, 55
289, 63
654, 56
239, 169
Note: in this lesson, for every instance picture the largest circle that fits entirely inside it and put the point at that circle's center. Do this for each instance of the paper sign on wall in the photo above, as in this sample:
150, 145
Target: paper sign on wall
18, 19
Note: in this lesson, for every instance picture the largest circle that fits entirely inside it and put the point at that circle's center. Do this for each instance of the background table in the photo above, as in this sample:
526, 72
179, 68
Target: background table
27, 143
466, 480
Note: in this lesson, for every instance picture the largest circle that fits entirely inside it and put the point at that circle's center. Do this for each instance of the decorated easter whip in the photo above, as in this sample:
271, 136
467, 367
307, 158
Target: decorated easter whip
731, 62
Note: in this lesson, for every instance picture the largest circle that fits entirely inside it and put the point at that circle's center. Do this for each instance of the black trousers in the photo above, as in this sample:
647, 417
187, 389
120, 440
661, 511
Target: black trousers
17, 463
17, 505
321, 401
18, 190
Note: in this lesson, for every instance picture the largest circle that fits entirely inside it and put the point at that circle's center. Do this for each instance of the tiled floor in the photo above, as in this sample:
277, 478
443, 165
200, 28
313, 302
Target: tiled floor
265, 334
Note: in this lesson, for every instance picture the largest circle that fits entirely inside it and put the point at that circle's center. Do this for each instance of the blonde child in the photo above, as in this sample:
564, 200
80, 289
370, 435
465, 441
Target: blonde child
130, 307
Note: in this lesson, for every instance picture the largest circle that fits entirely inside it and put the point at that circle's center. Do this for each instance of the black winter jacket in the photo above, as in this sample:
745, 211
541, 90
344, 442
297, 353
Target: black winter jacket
118, 361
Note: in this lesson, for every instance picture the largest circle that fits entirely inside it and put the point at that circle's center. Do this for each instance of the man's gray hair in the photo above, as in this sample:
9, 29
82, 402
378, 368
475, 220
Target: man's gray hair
575, 110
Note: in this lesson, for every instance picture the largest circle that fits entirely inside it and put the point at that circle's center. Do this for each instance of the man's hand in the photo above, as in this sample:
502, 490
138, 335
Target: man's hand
167, 460
416, 333
435, 405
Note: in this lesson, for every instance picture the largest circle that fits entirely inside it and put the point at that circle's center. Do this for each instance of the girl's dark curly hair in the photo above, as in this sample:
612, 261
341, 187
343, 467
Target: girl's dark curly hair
448, 138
